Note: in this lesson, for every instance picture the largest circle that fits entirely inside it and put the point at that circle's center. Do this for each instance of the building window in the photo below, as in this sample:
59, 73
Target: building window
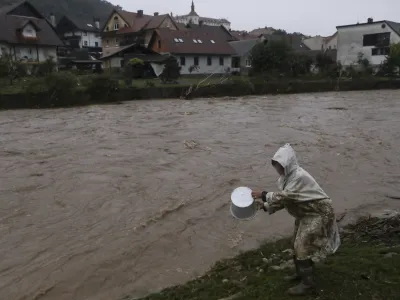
116, 26
183, 60
96, 44
377, 39
248, 64
85, 33
85, 43
221, 61
107, 28
380, 51
196, 61
107, 42
209, 60
116, 42
159, 44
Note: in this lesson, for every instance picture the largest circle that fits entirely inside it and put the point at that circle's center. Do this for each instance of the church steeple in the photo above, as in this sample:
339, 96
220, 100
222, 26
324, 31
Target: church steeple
192, 11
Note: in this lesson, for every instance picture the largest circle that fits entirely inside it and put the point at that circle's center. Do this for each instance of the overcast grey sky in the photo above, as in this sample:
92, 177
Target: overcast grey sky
310, 17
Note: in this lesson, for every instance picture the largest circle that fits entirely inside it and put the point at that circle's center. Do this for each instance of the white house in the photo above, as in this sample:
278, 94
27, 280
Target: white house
372, 39
321, 42
194, 18
79, 34
26, 34
198, 50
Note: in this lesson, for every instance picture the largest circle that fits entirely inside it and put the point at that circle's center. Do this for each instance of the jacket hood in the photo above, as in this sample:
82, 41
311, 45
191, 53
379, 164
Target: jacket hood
286, 157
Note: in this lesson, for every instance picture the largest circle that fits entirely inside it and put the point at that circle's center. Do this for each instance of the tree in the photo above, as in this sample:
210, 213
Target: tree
391, 65
272, 56
10, 68
171, 71
137, 67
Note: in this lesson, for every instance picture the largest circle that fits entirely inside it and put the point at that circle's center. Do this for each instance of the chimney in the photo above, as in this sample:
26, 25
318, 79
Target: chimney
53, 20
97, 23
156, 14
140, 13
370, 20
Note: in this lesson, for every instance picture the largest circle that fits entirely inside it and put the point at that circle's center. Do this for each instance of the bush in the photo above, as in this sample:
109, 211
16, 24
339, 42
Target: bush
101, 87
171, 72
149, 83
60, 86
47, 67
272, 56
11, 69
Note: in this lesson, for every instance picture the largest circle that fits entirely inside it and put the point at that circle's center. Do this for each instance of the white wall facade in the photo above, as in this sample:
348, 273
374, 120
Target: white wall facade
204, 68
332, 43
350, 43
29, 53
206, 21
315, 42
88, 39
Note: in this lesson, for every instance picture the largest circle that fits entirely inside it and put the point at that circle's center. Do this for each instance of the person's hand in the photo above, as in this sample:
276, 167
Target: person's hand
259, 204
256, 195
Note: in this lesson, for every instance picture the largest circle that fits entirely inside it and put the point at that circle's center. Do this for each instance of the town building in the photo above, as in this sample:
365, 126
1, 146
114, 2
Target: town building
124, 28
197, 51
241, 61
372, 39
321, 42
194, 18
79, 34
26, 35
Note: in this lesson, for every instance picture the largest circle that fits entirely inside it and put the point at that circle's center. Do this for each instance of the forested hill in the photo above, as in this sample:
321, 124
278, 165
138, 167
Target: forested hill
76, 9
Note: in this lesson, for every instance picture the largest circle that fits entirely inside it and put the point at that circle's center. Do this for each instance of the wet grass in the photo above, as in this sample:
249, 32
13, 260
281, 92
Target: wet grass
366, 267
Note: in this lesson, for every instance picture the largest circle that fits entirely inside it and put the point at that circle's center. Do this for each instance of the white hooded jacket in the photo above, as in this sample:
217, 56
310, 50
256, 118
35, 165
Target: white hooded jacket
296, 185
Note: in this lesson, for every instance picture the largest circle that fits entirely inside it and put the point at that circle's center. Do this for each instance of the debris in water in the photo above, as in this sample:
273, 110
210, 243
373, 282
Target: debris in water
190, 144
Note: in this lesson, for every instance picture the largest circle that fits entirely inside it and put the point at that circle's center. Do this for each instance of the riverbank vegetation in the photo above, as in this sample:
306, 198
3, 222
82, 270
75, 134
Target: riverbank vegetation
366, 266
276, 69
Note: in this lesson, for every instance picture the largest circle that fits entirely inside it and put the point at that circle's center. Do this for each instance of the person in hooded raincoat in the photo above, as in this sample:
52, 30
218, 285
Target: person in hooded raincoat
316, 233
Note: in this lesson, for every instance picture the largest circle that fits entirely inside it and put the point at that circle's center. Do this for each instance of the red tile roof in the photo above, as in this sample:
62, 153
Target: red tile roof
137, 23
210, 43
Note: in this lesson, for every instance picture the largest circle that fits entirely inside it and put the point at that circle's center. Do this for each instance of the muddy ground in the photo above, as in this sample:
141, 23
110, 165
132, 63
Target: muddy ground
105, 201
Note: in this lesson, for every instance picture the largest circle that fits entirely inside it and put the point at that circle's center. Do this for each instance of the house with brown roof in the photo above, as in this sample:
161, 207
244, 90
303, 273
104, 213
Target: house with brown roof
125, 28
208, 51
26, 35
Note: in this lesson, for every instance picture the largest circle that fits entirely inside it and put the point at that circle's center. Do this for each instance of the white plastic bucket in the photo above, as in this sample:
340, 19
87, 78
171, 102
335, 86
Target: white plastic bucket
243, 206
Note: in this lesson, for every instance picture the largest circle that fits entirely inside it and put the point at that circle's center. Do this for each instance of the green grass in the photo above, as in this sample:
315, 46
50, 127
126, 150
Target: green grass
358, 271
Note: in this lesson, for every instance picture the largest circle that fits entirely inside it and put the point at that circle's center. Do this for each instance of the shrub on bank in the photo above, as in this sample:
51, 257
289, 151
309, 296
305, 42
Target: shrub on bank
101, 87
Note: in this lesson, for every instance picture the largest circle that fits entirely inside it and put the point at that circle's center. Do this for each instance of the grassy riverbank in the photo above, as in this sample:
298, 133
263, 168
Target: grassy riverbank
365, 267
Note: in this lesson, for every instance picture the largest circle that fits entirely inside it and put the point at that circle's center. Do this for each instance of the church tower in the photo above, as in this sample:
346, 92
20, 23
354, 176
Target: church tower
193, 17
192, 11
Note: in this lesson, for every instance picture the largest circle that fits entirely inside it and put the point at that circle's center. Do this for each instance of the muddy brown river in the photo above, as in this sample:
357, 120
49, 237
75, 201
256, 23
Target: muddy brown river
102, 202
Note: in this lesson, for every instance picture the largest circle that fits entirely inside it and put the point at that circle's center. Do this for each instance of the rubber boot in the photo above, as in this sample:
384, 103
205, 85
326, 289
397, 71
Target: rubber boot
307, 285
296, 276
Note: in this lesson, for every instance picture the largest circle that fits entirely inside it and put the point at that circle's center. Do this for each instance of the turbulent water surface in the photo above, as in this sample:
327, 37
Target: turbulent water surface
105, 201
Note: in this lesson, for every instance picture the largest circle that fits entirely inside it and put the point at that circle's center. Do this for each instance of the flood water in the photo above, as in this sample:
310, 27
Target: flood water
102, 202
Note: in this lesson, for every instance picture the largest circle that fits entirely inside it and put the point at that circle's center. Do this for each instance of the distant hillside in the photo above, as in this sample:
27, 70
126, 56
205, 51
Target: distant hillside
77, 9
